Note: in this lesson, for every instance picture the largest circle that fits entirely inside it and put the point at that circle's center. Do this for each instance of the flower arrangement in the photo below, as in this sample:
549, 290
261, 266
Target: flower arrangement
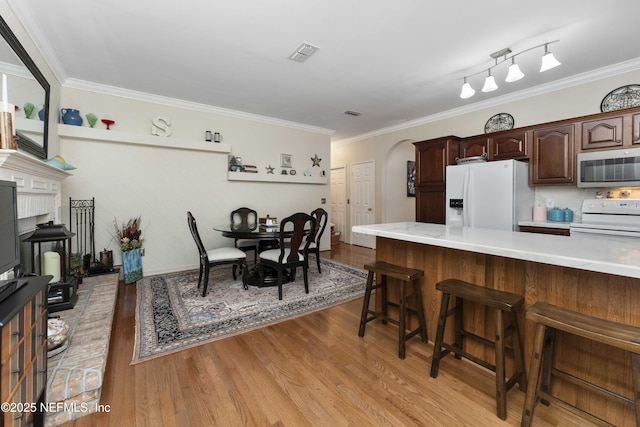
129, 234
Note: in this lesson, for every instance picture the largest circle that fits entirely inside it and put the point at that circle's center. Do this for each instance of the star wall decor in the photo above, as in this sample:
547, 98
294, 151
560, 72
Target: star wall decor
316, 160
270, 169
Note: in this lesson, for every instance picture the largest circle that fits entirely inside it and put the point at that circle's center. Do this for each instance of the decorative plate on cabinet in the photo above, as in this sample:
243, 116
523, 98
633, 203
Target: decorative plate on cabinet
624, 97
498, 122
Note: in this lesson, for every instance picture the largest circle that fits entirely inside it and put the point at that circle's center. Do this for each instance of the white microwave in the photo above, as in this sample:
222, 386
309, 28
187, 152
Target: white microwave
609, 168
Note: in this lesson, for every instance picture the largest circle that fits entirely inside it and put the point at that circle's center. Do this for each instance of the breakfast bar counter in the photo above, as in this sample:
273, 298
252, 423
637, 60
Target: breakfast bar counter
599, 277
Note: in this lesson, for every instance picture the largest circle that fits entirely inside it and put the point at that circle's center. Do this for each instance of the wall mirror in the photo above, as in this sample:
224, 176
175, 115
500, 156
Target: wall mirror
25, 84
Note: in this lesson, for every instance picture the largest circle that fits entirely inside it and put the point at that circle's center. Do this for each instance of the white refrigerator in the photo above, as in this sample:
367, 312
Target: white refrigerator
493, 195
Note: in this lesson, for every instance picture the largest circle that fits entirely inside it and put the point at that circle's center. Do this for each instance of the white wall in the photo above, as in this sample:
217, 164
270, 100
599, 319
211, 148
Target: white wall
578, 100
162, 184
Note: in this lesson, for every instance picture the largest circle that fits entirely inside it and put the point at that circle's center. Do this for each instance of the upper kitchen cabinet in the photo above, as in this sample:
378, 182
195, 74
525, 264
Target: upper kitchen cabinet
611, 130
474, 146
635, 129
432, 158
602, 133
552, 155
510, 144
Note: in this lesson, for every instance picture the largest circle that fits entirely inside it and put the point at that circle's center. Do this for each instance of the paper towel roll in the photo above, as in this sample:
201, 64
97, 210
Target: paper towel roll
52, 265
539, 214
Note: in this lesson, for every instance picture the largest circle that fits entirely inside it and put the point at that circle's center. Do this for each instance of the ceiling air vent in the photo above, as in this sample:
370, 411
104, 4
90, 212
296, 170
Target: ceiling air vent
303, 52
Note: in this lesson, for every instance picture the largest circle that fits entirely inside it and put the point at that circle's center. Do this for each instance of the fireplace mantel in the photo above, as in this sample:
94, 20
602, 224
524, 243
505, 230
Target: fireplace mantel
39, 188
13, 161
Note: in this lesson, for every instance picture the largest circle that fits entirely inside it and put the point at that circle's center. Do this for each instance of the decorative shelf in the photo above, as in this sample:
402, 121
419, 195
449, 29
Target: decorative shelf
80, 132
287, 179
29, 125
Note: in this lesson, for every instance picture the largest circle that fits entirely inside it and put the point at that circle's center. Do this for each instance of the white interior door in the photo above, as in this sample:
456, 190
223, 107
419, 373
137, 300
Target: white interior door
363, 201
339, 200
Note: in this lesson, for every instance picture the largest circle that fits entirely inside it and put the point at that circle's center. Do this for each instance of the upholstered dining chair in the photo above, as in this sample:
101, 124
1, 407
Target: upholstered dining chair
294, 229
246, 218
321, 222
213, 257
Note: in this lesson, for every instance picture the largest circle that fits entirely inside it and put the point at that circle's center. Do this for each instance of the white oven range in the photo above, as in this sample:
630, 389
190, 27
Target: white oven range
616, 218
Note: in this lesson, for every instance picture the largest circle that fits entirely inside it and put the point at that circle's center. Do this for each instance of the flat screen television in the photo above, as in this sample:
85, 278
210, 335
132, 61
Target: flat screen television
9, 238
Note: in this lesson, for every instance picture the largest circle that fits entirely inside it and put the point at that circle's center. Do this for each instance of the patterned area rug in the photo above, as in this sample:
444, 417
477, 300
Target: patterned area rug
172, 315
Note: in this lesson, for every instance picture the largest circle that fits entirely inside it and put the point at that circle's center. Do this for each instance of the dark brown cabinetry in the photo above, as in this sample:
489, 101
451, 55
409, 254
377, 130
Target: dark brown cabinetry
550, 147
602, 133
635, 129
545, 230
23, 353
552, 155
474, 146
509, 145
432, 158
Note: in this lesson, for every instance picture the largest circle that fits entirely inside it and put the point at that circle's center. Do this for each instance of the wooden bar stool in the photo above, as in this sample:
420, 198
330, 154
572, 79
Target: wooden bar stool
502, 303
550, 319
406, 276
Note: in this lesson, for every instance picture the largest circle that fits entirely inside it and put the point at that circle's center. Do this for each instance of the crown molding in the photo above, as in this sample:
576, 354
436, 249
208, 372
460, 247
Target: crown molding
25, 15
578, 79
194, 106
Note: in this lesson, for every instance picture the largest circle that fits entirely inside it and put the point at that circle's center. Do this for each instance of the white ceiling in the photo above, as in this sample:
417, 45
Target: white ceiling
393, 61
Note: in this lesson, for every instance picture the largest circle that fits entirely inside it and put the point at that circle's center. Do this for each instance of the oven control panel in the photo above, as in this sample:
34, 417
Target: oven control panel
611, 206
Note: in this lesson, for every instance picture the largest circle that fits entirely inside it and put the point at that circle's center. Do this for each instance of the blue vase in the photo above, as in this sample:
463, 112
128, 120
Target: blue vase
41, 114
132, 265
71, 117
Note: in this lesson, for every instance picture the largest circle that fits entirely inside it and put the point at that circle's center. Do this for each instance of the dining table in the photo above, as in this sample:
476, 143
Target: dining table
270, 239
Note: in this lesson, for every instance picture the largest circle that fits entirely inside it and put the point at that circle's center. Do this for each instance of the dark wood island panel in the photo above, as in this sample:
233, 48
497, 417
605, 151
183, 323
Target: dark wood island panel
607, 296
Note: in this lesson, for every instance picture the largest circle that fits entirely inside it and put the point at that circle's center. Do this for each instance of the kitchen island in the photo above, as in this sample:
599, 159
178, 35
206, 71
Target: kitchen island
595, 276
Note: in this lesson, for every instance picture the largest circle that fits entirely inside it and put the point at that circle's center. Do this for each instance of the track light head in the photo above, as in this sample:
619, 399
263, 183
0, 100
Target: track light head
467, 90
514, 73
489, 83
548, 60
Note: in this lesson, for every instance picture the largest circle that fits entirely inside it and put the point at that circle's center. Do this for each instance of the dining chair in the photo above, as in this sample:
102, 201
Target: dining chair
294, 229
214, 257
246, 218
321, 217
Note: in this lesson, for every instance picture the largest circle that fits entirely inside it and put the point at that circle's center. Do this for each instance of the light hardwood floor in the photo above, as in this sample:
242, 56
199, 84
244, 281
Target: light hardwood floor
313, 370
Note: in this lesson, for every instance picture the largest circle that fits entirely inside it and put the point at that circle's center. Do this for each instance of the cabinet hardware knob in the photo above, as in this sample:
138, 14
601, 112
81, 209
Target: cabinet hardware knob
619, 141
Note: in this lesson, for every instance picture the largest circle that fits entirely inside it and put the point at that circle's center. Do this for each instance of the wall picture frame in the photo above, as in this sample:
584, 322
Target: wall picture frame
285, 160
411, 178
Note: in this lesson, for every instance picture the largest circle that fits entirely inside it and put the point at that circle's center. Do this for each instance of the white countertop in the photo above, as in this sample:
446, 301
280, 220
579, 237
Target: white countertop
598, 254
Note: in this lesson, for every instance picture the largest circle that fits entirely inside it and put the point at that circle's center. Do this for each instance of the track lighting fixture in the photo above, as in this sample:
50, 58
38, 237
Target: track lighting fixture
514, 74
